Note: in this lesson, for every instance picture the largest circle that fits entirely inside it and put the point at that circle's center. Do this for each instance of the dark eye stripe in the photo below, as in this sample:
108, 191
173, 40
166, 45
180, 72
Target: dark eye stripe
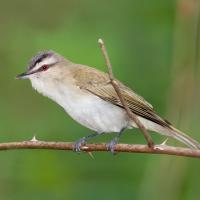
42, 69
39, 58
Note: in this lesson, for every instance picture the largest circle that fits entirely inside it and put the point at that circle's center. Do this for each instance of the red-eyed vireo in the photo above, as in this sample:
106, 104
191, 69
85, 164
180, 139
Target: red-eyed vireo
87, 95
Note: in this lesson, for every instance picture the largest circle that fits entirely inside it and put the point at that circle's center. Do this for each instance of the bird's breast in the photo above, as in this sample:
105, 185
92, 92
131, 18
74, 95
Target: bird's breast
86, 108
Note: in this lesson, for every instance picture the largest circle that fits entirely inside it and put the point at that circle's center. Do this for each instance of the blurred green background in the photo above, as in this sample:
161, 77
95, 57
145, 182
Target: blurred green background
154, 48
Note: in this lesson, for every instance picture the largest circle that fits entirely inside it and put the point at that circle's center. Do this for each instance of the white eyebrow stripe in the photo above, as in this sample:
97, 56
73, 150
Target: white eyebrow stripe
46, 61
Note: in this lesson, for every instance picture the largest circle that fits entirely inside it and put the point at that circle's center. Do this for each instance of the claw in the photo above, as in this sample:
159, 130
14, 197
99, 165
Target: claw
78, 144
111, 146
82, 141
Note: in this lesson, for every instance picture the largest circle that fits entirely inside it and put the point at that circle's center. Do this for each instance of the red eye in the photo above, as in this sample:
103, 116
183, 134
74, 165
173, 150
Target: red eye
45, 67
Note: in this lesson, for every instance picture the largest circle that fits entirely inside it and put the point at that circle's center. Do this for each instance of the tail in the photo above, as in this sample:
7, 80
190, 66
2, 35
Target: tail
182, 137
169, 130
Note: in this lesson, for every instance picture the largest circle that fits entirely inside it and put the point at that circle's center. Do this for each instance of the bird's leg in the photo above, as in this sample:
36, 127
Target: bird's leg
79, 143
114, 141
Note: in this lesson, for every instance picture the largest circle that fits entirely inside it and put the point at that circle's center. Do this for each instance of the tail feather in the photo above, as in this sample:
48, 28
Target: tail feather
182, 137
169, 130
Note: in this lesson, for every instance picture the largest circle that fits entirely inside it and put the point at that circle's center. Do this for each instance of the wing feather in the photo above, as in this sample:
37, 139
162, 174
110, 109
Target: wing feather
98, 84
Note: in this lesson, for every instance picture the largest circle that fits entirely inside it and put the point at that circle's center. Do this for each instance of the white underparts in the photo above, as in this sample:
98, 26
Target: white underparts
87, 109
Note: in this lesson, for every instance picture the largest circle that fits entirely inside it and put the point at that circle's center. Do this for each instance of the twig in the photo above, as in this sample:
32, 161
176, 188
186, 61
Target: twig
123, 102
129, 148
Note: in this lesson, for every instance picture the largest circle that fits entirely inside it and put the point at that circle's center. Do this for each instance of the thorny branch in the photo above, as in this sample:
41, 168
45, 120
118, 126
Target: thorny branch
129, 148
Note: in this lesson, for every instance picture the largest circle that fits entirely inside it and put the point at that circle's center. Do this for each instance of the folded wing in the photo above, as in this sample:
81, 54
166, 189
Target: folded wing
98, 84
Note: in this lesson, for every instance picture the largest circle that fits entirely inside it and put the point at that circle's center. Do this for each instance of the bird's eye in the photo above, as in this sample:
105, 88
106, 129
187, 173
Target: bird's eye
45, 67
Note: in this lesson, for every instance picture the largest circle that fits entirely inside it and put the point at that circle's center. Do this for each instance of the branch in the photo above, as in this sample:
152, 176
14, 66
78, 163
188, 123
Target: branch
123, 102
129, 148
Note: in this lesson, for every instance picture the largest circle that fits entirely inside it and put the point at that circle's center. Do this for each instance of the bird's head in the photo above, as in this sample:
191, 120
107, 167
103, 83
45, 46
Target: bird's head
45, 64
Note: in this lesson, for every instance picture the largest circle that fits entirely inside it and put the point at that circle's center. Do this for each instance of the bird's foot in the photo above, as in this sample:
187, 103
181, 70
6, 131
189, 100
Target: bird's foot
78, 144
111, 145
82, 141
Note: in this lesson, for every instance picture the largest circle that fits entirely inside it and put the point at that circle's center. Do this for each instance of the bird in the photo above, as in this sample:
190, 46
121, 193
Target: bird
88, 96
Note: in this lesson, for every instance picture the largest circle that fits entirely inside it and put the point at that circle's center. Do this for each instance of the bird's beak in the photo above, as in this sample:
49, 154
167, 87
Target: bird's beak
24, 75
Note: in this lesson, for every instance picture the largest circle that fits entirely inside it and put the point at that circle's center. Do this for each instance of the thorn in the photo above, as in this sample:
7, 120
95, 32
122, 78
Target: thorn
34, 139
90, 154
159, 147
100, 41
164, 143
